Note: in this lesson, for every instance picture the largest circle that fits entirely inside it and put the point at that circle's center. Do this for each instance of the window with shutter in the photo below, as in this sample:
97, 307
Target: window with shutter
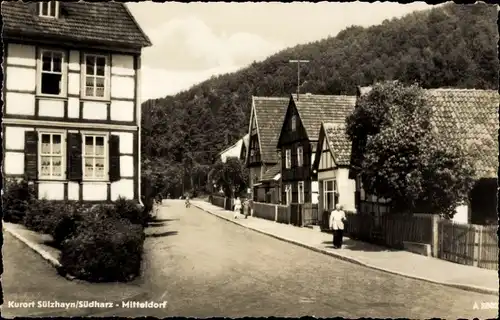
94, 157
74, 156
51, 155
31, 155
114, 158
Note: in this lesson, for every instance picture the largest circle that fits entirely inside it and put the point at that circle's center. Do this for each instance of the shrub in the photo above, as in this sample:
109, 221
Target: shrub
41, 215
15, 200
131, 210
106, 249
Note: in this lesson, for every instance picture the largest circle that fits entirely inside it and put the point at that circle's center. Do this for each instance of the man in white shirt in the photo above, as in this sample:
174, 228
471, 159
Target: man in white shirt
237, 207
337, 218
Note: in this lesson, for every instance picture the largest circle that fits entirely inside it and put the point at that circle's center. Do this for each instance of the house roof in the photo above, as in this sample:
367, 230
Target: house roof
313, 109
109, 23
338, 142
470, 118
234, 150
272, 172
269, 114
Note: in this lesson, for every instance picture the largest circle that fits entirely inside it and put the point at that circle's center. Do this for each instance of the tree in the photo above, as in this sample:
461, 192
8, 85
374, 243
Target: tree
403, 159
231, 176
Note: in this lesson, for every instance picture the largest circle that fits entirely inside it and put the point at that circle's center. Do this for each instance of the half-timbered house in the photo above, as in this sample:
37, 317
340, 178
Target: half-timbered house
71, 117
265, 123
333, 155
469, 118
299, 138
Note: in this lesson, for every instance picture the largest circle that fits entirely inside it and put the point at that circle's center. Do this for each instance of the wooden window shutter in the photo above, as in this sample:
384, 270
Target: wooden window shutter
74, 157
114, 158
31, 155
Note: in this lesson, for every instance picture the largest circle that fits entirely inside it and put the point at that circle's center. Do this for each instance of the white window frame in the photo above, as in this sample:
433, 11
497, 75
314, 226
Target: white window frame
326, 192
62, 133
294, 122
105, 135
288, 194
288, 158
64, 73
300, 156
54, 11
107, 77
300, 192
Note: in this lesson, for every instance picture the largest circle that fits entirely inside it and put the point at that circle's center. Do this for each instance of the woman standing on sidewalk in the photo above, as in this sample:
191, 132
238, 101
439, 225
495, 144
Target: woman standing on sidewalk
337, 218
237, 207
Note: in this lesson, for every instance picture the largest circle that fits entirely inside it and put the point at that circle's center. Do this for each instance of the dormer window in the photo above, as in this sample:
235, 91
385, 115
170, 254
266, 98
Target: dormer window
49, 9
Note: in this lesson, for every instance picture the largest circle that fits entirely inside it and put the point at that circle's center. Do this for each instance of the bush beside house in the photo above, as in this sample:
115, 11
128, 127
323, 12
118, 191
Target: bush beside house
98, 242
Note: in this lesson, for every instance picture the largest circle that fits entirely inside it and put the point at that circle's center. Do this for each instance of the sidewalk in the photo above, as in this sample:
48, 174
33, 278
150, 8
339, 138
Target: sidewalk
398, 262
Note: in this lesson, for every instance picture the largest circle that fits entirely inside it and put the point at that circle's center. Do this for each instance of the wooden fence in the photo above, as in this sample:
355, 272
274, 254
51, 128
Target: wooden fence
391, 230
272, 212
218, 201
468, 244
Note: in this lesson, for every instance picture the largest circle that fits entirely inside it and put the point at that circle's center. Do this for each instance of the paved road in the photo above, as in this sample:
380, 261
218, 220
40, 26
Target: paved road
204, 266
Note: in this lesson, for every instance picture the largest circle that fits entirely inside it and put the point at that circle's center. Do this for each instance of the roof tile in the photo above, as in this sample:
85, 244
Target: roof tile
100, 22
338, 142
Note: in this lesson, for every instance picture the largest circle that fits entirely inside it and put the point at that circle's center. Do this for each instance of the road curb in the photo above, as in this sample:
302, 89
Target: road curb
356, 261
33, 246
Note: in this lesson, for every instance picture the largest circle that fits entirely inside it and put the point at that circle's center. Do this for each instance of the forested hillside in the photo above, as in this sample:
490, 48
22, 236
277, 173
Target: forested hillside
449, 46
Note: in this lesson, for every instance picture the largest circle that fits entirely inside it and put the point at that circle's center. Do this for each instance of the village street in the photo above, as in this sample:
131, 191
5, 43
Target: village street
204, 266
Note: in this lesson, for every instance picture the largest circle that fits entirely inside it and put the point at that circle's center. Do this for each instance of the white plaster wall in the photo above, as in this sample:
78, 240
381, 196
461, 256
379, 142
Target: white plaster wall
122, 110
51, 190
21, 54
73, 107
13, 162
461, 214
326, 175
95, 191
124, 188
74, 60
73, 191
20, 103
122, 65
14, 137
74, 83
95, 110
346, 188
122, 87
126, 166
314, 192
126, 141
21, 79
51, 108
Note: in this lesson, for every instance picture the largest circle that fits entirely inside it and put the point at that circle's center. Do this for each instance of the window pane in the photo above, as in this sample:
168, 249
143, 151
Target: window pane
89, 167
329, 185
45, 144
90, 61
101, 63
45, 166
89, 81
57, 58
56, 144
46, 59
89, 91
51, 83
99, 168
99, 150
45, 8
52, 8
99, 92
56, 166
89, 145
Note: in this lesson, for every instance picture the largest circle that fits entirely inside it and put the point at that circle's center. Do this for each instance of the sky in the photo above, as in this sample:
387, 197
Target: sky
194, 41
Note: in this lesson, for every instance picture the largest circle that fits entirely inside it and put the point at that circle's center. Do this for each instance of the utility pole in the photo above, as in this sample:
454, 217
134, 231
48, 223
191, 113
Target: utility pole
298, 62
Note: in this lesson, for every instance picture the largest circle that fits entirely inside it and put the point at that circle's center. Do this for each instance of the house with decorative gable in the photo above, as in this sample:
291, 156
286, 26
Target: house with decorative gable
237, 150
299, 138
266, 117
71, 117
333, 155
469, 118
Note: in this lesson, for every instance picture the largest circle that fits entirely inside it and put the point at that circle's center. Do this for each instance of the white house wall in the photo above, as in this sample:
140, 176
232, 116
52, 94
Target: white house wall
13, 166
347, 189
21, 85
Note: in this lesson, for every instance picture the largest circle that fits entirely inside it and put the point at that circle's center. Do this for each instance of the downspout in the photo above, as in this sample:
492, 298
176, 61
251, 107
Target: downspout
138, 116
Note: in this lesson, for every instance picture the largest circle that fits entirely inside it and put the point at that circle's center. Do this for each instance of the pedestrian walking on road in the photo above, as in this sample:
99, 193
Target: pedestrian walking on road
337, 218
237, 207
